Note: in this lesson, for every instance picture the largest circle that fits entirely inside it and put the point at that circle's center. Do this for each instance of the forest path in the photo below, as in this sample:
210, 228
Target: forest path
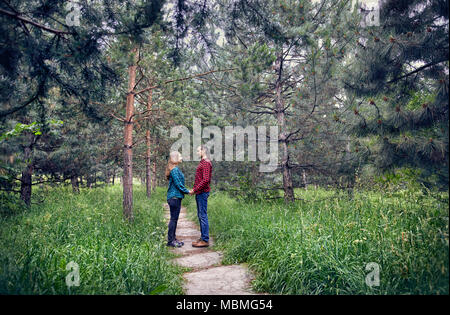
207, 276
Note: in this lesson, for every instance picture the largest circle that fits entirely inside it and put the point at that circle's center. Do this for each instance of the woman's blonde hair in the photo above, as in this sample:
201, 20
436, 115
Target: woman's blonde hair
174, 160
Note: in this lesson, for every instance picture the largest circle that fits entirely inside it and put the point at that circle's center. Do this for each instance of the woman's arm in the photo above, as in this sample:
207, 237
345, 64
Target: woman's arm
178, 181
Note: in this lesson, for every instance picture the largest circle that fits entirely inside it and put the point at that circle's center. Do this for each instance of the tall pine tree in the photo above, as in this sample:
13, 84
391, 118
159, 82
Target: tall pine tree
398, 80
286, 55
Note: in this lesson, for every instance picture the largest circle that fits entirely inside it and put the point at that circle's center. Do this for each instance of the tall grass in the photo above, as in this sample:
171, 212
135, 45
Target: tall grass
114, 256
322, 245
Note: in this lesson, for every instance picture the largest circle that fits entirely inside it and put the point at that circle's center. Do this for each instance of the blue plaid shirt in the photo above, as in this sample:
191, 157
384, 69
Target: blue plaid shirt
176, 184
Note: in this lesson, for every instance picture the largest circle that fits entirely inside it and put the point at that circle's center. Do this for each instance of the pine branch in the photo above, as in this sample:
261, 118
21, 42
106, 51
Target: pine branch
118, 118
417, 70
15, 109
182, 79
21, 22
28, 21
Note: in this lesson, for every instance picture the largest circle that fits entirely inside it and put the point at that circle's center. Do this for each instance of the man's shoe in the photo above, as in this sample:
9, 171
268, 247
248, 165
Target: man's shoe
200, 243
179, 242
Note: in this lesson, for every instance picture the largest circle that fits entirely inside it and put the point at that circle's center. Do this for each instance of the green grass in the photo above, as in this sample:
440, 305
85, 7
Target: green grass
114, 256
321, 245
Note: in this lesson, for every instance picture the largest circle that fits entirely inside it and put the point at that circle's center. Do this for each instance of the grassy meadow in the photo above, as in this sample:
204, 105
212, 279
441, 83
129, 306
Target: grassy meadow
114, 257
323, 243
318, 245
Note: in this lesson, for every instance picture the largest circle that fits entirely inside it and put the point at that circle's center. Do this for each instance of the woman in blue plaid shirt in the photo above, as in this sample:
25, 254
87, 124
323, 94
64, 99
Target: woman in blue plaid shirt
175, 194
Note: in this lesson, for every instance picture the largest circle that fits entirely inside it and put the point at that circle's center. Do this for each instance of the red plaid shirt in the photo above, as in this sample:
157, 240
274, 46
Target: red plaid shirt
202, 177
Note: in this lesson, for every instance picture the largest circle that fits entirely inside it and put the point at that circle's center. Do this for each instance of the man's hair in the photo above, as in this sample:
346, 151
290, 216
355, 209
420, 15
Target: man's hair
205, 149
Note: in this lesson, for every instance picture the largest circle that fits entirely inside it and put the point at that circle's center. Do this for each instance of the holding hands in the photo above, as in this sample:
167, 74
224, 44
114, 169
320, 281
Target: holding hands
191, 192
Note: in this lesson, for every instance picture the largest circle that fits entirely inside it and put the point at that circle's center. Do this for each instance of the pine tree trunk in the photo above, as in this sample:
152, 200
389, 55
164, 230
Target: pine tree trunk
128, 143
27, 173
287, 176
148, 176
106, 174
281, 119
75, 186
305, 183
148, 171
89, 181
154, 183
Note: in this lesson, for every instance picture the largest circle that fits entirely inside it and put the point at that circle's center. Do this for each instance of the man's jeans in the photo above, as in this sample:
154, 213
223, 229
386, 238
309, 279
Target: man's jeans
175, 206
202, 206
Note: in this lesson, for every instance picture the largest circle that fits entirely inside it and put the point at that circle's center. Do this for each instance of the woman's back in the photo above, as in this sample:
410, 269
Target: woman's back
176, 187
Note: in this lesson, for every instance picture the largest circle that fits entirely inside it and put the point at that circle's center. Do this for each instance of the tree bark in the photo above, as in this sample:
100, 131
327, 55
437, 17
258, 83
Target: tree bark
75, 186
106, 173
27, 173
305, 182
154, 178
89, 181
281, 119
128, 142
148, 176
154, 183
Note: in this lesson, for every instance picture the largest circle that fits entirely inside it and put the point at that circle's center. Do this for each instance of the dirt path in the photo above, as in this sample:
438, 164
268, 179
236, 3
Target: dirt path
207, 276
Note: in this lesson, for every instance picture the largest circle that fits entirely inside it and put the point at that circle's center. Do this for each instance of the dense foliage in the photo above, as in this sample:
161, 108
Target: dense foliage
361, 112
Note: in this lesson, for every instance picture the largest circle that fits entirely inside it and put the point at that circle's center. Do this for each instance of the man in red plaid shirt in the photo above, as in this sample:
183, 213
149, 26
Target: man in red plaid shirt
201, 190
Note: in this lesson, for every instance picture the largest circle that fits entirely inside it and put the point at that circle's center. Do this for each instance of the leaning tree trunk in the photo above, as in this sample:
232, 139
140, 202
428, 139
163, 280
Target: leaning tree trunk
128, 142
148, 177
27, 173
281, 119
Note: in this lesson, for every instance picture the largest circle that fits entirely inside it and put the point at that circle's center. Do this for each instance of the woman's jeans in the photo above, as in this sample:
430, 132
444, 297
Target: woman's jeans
175, 206
202, 206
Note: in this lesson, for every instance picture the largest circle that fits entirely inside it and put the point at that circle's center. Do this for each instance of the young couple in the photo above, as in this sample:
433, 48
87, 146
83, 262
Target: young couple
177, 190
